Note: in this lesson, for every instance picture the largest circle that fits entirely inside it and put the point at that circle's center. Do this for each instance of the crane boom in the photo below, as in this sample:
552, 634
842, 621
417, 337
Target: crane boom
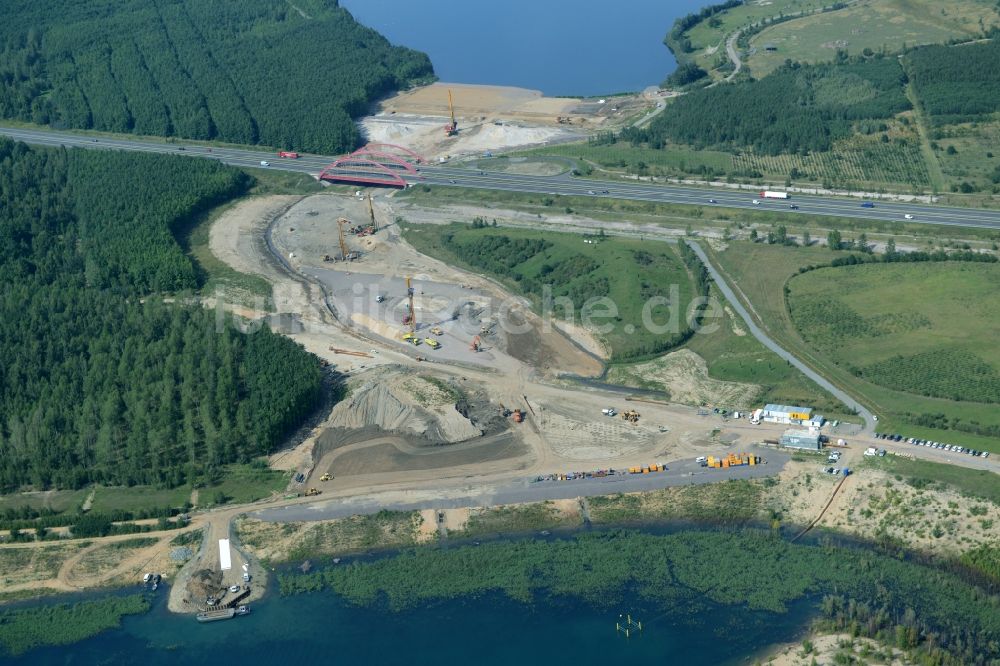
343, 244
371, 212
451, 129
411, 316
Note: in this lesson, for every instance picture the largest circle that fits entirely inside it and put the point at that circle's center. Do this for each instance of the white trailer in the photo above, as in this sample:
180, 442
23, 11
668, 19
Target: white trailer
768, 194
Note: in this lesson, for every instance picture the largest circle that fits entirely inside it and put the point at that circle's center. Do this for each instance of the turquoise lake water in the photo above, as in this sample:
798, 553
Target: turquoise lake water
582, 47
319, 629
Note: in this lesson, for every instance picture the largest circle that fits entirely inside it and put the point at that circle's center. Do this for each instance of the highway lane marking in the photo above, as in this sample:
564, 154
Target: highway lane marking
562, 185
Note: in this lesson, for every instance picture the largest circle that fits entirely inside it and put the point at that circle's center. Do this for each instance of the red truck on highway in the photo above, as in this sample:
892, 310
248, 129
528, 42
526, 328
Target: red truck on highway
289, 154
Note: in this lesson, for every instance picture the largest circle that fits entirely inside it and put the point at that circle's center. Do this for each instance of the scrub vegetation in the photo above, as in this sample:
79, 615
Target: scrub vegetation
63, 624
939, 613
254, 72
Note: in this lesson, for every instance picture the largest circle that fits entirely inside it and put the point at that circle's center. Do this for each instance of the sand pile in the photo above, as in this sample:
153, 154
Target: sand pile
374, 404
405, 404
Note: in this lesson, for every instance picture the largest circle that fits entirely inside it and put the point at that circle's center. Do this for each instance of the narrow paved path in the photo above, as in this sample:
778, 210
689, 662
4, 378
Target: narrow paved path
775, 347
734, 55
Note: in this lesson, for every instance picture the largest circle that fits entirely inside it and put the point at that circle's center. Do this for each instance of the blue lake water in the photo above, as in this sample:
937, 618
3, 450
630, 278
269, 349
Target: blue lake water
319, 628
578, 47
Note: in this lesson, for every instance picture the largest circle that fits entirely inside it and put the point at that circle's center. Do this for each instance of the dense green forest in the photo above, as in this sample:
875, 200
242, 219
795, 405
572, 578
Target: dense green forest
98, 384
957, 83
937, 612
256, 71
796, 109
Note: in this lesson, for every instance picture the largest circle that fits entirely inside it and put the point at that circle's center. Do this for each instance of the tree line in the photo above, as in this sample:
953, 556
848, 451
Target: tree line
102, 380
795, 109
678, 42
957, 83
243, 72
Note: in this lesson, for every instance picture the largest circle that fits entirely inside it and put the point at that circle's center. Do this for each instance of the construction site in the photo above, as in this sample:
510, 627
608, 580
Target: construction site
477, 119
446, 374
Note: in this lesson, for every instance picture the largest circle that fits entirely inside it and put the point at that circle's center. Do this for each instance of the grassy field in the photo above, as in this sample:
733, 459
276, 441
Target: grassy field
214, 275
871, 24
622, 155
279, 542
516, 518
924, 329
761, 273
56, 500
27, 565
708, 37
735, 356
245, 483
138, 498
861, 161
627, 271
969, 153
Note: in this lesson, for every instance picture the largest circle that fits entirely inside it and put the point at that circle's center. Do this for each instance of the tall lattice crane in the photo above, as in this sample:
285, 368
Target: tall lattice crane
343, 243
410, 318
371, 213
451, 129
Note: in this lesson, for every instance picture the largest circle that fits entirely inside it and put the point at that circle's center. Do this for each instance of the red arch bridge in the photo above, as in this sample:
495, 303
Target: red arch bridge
374, 164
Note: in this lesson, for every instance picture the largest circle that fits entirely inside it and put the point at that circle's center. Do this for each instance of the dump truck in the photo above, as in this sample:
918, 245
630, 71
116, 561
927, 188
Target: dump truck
313, 491
432, 343
325, 477
437, 330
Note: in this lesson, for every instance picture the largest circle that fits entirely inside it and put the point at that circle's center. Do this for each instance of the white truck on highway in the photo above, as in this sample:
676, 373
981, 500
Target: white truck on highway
768, 194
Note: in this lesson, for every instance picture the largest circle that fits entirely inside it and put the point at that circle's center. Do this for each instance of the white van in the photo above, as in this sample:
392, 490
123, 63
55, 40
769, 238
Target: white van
265, 163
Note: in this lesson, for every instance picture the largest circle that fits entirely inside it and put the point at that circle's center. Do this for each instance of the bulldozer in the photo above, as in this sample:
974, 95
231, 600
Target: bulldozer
312, 492
325, 477
630, 415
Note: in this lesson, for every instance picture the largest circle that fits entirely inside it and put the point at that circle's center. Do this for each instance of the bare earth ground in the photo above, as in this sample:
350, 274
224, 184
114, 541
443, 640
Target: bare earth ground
684, 376
490, 118
826, 648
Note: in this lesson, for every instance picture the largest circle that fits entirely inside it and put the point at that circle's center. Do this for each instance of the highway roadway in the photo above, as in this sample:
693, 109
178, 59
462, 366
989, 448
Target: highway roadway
564, 184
